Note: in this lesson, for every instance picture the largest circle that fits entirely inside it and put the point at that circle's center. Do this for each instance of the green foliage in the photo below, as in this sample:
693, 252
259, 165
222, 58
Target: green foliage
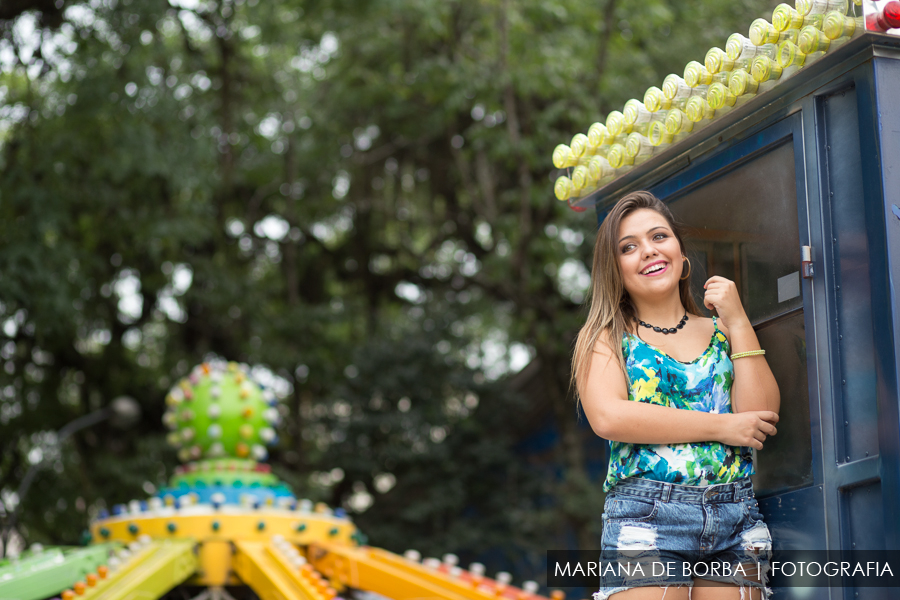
355, 195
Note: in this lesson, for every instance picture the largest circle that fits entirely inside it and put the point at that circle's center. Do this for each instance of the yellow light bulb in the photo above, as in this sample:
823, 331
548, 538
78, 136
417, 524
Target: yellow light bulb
717, 61
809, 7
764, 69
698, 110
581, 177
579, 144
677, 122
720, 97
636, 116
655, 100
814, 40
790, 55
638, 147
615, 123
564, 188
562, 157
742, 83
597, 135
617, 157
837, 25
658, 135
696, 75
600, 169
675, 89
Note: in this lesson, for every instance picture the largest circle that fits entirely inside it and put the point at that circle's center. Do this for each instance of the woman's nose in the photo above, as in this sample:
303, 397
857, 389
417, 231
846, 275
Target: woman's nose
648, 250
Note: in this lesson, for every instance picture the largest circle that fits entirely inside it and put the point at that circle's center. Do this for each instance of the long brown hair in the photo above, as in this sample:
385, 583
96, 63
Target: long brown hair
612, 311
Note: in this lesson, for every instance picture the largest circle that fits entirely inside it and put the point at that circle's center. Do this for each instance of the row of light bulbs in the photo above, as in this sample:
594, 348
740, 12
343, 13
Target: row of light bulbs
449, 563
116, 560
770, 53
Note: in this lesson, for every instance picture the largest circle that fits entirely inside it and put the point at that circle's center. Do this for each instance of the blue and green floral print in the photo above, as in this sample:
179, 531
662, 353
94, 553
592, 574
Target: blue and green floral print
703, 384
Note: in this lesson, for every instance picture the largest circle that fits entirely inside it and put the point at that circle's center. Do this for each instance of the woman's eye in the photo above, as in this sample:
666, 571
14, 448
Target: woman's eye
627, 247
660, 236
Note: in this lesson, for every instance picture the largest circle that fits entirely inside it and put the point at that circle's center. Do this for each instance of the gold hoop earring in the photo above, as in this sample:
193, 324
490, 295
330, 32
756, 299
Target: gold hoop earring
683, 277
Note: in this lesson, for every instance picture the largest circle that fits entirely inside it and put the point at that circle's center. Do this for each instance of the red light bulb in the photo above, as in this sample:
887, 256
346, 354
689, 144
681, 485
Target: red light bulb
873, 23
890, 16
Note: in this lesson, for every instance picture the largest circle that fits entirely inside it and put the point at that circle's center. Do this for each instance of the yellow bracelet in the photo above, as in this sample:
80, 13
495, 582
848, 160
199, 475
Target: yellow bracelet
747, 353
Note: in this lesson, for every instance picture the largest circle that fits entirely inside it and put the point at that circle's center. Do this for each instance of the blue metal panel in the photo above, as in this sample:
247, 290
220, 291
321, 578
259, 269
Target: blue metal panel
885, 293
864, 516
854, 378
879, 122
846, 350
795, 520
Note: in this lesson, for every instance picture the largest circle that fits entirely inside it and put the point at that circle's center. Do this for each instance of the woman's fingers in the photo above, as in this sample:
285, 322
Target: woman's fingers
768, 416
710, 299
750, 428
713, 280
721, 295
765, 428
761, 432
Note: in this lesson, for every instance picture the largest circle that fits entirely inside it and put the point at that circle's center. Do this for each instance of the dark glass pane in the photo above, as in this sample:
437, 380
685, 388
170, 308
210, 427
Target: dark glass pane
786, 459
743, 225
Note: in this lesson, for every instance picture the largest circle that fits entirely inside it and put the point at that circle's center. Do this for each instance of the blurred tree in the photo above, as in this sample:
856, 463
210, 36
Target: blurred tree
354, 194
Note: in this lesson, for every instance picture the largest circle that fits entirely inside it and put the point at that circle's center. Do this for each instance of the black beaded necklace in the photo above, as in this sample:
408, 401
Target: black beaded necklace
663, 329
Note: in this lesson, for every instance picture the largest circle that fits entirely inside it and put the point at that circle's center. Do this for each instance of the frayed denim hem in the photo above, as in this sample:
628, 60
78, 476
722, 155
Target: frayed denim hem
605, 594
745, 589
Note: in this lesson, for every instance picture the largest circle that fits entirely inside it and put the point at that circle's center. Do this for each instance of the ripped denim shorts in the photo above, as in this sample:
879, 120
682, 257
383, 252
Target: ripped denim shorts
662, 534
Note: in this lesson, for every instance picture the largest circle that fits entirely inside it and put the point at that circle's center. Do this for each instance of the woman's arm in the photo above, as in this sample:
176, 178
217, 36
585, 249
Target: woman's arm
604, 397
754, 385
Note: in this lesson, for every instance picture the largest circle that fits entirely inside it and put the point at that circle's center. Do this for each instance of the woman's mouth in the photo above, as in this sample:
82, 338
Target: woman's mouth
656, 268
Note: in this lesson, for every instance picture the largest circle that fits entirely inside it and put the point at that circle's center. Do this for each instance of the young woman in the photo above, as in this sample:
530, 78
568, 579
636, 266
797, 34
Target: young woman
682, 399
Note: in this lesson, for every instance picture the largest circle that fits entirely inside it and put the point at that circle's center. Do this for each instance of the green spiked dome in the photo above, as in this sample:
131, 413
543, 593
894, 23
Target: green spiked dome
220, 411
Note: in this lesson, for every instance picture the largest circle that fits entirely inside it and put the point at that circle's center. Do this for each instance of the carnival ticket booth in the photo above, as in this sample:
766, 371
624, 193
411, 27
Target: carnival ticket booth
781, 155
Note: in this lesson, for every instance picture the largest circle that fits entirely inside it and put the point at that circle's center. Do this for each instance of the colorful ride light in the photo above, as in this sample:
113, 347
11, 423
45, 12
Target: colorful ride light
719, 97
807, 7
658, 135
837, 25
742, 83
655, 100
678, 122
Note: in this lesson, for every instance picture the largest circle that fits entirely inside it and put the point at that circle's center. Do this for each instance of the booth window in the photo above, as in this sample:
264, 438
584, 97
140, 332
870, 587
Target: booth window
743, 225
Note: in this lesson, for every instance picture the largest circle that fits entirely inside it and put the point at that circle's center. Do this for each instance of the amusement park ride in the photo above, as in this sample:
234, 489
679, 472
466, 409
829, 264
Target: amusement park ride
225, 520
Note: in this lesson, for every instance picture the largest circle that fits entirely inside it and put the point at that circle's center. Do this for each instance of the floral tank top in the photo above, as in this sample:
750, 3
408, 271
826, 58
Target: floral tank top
703, 384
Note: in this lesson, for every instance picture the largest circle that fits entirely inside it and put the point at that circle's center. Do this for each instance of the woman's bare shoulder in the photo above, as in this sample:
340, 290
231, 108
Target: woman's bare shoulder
709, 325
604, 368
601, 346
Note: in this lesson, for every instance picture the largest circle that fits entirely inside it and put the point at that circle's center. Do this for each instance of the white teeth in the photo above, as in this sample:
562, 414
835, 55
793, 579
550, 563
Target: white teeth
653, 269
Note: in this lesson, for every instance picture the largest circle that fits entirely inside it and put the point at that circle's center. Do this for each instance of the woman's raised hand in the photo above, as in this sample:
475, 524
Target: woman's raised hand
722, 295
749, 428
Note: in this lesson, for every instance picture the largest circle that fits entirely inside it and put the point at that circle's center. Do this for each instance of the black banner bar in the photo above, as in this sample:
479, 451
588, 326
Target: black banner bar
780, 568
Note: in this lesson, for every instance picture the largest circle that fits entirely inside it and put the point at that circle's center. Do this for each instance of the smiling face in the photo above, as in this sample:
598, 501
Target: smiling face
649, 254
